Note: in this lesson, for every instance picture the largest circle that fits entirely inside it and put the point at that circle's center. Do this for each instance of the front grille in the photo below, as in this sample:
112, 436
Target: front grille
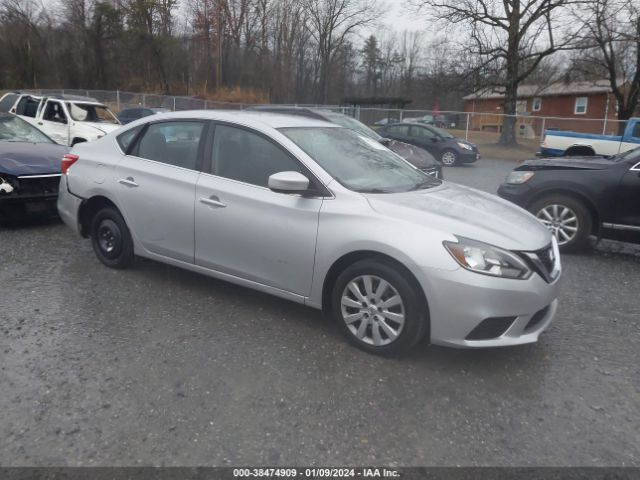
547, 258
543, 262
537, 318
491, 328
28, 187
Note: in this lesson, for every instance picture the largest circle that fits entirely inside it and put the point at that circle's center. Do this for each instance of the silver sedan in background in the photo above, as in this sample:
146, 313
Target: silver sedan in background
321, 215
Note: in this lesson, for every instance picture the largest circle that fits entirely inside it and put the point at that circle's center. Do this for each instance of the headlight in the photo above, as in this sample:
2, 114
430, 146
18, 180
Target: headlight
518, 178
5, 187
486, 259
466, 146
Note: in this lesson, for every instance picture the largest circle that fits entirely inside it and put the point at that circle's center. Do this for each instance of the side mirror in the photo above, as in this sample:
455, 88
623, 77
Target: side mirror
288, 182
385, 141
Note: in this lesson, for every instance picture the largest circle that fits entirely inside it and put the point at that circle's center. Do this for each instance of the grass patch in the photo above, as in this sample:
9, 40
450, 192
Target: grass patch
488, 145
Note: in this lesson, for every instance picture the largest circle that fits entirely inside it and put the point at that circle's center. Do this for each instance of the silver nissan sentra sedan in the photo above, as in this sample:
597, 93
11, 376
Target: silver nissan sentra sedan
318, 214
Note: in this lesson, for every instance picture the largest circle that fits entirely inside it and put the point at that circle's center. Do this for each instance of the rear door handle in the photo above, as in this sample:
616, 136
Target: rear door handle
129, 182
213, 201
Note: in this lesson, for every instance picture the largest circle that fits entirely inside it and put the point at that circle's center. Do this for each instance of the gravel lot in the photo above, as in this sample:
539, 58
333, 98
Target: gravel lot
157, 366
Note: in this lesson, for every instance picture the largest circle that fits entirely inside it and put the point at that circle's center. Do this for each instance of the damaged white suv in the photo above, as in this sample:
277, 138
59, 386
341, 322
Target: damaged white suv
67, 119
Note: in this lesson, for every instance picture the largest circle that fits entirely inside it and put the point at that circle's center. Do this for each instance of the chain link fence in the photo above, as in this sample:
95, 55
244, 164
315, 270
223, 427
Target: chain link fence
476, 126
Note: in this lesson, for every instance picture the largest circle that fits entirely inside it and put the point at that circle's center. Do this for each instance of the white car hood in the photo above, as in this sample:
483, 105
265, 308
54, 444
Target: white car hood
462, 211
105, 127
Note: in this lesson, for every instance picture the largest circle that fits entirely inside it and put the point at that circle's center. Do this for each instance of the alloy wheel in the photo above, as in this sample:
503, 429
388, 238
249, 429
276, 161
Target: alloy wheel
561, 220
449, 158
373, 310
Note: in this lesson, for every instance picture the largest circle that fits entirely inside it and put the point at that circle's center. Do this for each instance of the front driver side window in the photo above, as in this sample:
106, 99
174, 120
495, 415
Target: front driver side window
54, 113
248, 157
422, 132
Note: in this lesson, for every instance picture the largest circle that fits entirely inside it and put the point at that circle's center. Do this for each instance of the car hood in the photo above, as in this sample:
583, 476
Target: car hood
414, 155
21, 158
466, 212
104, 127
567, 163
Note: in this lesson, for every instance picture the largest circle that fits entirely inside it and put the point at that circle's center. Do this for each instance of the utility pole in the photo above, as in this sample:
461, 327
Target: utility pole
219, 27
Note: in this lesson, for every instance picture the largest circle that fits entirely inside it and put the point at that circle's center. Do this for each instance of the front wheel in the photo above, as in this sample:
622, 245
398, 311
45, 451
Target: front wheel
378, 309
449, 158
111, 239
567, 218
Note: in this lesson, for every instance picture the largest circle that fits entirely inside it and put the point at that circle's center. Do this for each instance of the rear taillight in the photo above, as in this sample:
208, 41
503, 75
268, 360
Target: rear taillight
68, 160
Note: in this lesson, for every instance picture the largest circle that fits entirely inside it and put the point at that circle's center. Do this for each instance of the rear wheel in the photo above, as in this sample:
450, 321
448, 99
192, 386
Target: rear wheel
378, 309
111, 239
567, 218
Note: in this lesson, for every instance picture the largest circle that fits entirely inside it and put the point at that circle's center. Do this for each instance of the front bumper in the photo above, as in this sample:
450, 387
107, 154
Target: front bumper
468, 156
29, 194
463, 303
520, 194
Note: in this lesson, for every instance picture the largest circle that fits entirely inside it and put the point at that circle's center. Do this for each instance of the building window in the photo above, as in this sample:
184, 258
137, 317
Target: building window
536, 104
581, 106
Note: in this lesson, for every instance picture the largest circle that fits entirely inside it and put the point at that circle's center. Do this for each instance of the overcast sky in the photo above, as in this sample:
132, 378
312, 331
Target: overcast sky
397, 16
400, 17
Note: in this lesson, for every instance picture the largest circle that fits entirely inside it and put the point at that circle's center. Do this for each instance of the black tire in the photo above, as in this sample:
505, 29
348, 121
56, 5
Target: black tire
579, 152
111, 239
449, 157
416, 318
580, 241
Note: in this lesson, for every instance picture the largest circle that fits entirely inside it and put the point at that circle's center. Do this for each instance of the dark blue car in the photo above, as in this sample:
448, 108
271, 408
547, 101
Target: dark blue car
441, 144
29, 169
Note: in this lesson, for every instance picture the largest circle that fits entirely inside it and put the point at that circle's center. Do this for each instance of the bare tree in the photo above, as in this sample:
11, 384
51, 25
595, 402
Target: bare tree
331, 24
610, 41
509, 39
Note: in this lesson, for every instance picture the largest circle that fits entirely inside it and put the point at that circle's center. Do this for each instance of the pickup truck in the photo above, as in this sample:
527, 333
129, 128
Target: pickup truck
67, 119
558, 143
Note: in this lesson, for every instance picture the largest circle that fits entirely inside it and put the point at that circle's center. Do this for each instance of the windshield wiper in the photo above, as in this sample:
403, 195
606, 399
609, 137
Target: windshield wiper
373, 190
423, 185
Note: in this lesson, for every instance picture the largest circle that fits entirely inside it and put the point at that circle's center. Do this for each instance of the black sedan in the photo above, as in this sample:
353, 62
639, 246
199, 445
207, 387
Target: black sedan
577, 197
29, 169
127, 115
441, 144
418, 157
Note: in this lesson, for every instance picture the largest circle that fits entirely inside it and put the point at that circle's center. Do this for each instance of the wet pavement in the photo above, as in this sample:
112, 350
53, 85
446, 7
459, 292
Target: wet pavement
158, 366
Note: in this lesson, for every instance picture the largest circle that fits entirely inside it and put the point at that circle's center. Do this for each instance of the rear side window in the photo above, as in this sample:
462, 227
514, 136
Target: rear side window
125, 139
173, 143
7, 102
398, 130
248, 157
27, 107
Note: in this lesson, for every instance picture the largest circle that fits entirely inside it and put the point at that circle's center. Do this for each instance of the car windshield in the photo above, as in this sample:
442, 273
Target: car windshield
358, 162
14, 129
353, 124
442, 132
87, 112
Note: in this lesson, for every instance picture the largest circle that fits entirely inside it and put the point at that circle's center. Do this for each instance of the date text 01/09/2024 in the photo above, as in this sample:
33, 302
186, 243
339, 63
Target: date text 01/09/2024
315, 473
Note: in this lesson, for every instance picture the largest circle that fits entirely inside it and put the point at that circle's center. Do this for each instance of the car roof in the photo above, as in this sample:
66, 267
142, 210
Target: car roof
288, 109
250, 118
73, 98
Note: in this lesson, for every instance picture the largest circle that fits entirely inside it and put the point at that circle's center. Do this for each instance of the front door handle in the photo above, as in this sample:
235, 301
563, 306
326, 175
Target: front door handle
129, 182
213, 201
